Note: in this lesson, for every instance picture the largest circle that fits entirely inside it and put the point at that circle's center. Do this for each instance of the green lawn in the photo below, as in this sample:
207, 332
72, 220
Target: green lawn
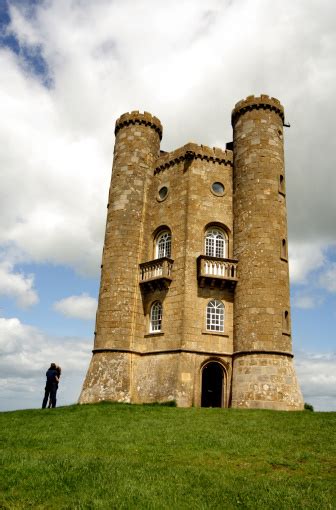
123, 456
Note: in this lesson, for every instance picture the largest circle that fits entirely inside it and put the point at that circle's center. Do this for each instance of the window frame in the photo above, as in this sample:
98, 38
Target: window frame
155, 321
214, 320
167, 244
212, 235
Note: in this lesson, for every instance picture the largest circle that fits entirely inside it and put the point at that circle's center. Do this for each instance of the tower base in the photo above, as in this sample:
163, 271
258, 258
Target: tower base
187, 378
108, 378
130, 378
265, 381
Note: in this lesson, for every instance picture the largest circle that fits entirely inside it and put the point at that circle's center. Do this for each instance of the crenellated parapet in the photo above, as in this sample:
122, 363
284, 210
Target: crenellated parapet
193, 151
136, 117
263, 102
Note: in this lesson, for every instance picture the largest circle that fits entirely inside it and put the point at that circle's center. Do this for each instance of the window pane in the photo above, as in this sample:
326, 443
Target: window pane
218, 188
209, 246
156, 317
164, 245
220, 247
215, 243
163, 192
215, 316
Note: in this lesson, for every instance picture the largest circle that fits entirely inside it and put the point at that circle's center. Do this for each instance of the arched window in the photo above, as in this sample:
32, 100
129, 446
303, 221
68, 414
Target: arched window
215, 243
163, 244
215, 316
156, 317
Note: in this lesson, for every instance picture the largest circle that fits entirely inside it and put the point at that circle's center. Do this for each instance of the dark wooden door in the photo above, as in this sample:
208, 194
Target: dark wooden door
212, 385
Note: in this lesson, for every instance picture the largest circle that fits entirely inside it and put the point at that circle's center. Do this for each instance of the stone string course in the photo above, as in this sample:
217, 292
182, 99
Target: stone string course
252, 357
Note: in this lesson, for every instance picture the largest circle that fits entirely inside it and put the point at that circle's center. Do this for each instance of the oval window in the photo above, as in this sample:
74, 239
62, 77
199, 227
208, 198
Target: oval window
217, 188
163, 192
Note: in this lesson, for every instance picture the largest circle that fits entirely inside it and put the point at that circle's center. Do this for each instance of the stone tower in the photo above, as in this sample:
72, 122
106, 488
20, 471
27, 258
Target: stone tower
263, 372
137, 146
194, 294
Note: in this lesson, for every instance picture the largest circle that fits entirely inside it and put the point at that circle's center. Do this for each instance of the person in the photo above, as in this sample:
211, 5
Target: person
51, 386
59, 371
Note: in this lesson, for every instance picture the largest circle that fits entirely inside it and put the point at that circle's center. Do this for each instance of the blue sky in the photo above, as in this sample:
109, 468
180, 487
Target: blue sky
68, 70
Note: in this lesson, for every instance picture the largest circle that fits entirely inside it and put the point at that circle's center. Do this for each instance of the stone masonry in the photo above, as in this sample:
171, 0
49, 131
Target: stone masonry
194, 296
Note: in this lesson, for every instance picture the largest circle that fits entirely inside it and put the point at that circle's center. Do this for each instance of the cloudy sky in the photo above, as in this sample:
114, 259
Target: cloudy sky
68, 69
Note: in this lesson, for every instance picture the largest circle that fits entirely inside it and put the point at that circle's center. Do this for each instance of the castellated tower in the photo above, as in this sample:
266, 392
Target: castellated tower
194, 294
263, 372
137, 146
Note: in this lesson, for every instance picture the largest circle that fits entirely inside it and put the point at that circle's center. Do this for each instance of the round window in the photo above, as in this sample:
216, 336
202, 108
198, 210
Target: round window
217, 188
163, 192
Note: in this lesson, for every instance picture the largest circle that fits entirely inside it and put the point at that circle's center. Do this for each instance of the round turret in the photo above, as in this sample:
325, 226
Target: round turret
262, 332
137, 147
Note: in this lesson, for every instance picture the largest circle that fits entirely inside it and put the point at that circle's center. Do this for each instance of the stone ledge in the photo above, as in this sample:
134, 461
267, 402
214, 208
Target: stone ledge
136, 117
215, 333
165, 351
248, 353
192, 151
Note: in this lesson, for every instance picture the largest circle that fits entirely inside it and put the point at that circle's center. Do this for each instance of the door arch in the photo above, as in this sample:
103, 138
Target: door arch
212, 385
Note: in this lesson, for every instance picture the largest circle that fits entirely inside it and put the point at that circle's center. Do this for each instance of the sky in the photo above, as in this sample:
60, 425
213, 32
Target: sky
68, 70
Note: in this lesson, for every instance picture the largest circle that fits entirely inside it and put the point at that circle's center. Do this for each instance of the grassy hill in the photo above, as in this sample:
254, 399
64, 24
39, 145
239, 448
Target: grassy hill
121, 456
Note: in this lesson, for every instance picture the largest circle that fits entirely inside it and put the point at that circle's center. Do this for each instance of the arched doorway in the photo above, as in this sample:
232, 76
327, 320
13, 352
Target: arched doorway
212, 385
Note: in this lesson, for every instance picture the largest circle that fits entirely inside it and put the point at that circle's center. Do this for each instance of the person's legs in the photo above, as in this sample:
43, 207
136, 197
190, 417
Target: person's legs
46, 395
53, 395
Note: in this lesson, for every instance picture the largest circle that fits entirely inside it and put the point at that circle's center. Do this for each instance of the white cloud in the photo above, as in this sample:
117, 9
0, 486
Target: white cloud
328, 278
313, 272
57, 142
80, 307
317, 377
103, 62
26, 354
26, 349
17, 286
305, 258
58, 179
306, 301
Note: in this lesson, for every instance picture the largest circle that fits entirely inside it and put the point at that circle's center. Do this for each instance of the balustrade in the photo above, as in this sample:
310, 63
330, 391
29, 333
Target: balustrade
214, 269
156, 273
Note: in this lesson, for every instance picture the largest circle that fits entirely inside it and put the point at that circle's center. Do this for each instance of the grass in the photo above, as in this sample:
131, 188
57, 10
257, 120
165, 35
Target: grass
154, 457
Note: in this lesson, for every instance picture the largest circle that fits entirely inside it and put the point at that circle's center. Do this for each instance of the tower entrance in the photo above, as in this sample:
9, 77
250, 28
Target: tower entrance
212, 385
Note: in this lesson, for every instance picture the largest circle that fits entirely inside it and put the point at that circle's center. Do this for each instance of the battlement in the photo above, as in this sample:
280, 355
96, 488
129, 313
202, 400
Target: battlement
264, 102
136, 117
193, 151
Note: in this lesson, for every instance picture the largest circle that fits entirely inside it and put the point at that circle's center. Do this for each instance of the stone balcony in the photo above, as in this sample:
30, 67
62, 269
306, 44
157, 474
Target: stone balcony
216, 272
156, 274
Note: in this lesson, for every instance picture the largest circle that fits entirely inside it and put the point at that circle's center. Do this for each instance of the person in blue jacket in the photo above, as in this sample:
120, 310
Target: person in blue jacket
59, 371
51, 386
